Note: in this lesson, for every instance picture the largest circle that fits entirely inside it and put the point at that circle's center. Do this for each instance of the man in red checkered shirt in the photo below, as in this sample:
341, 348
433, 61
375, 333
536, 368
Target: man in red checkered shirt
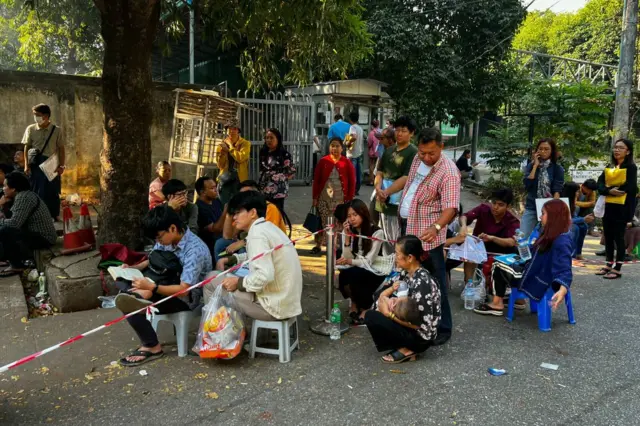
429, 203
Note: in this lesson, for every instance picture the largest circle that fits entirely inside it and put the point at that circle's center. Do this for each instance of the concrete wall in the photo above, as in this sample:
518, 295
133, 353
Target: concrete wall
76, 105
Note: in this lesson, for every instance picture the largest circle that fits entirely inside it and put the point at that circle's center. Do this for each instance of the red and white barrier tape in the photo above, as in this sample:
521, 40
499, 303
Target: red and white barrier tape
594, 261
148, 309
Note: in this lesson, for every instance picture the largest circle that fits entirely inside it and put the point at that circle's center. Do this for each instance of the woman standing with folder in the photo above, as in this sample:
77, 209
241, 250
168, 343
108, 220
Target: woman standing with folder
619, 183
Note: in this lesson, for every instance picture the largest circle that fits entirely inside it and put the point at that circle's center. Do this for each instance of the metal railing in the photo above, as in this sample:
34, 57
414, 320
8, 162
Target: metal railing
541, 65
293, 115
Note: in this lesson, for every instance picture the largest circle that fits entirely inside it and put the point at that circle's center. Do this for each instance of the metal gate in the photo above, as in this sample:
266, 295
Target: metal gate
293, 115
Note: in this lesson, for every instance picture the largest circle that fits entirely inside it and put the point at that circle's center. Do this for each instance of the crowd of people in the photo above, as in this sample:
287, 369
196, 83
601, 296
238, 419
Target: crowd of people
391, 255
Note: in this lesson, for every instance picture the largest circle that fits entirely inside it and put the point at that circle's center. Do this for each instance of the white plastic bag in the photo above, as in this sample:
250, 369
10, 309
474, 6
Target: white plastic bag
222, 331
472, 250
479, 287
598, 210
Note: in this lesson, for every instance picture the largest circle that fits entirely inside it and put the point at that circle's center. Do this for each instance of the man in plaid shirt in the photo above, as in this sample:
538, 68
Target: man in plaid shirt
429, 203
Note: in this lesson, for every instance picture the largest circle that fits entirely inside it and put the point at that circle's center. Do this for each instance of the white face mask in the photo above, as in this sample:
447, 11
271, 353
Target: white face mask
38, 119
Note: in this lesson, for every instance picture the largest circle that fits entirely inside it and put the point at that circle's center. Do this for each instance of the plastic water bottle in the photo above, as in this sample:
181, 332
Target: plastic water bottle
469, 296
335, 319
403, 289
42, 285
523, 246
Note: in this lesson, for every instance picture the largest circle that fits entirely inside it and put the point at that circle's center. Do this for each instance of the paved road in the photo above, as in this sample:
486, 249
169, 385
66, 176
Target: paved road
344, 382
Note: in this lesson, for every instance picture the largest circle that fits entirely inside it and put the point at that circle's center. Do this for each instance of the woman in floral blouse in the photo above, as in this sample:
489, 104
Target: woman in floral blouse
276, 168
406, 325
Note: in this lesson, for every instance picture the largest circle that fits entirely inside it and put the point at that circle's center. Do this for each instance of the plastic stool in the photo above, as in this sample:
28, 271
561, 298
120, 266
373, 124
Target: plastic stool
285, 337
181, 321
542, 308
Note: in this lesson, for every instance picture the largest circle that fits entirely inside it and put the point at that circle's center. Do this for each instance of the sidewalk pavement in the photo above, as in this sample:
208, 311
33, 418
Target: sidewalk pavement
342, 382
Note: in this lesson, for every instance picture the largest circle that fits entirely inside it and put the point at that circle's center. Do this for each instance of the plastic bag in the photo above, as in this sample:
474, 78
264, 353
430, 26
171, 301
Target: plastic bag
598, 210
472, 250
479, 286
222, 331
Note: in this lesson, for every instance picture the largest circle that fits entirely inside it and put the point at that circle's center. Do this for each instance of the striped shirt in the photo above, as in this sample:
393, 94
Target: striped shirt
30, 213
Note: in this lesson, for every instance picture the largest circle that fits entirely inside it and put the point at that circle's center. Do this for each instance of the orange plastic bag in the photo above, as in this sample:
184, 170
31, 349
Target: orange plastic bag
222, 331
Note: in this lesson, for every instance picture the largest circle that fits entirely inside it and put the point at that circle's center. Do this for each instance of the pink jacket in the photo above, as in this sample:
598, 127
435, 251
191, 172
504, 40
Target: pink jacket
372, 143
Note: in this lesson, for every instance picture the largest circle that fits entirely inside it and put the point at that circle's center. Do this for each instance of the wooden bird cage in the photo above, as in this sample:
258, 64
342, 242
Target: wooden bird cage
198, 126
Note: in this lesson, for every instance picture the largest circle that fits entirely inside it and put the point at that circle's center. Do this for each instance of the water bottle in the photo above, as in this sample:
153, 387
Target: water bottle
534, 235
42, 285
403, 289
335, 319
523, 246
469, 296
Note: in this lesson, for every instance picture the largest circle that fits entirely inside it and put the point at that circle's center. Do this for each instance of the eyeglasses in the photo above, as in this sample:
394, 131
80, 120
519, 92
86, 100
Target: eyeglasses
619, 148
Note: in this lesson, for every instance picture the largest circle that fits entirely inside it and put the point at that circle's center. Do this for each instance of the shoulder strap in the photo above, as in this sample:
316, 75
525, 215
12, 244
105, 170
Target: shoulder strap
53, 129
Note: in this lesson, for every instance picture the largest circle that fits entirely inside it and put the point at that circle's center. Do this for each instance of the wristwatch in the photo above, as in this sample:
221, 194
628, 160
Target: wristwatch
437, 226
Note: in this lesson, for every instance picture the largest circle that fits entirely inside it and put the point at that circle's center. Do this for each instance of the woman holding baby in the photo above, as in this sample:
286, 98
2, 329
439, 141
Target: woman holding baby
406, 325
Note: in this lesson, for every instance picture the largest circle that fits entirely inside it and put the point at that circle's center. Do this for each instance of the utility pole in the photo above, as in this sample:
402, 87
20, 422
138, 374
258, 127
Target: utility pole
625, 69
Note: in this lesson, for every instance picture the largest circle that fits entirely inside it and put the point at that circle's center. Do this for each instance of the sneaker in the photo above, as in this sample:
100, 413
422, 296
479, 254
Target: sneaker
128, 303
485, 309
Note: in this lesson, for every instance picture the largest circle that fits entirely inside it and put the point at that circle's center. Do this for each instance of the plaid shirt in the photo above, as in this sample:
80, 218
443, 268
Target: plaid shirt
438, 191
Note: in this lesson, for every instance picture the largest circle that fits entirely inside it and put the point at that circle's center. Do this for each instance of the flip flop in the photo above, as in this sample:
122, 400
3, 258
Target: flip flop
148, 356
612, 275
604, 271
399, 357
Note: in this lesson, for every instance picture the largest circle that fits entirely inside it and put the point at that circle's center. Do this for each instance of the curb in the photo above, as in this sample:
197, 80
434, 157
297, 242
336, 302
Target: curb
12, 301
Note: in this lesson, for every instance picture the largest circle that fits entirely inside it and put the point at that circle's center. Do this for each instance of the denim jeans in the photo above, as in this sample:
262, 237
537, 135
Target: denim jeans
357, 163
578, 234
528, 222
220, 246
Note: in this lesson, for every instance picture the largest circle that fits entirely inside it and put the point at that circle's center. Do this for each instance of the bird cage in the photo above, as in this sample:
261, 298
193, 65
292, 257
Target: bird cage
198, 126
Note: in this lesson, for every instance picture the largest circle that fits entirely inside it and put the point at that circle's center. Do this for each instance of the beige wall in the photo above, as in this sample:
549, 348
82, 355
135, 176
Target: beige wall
76, 105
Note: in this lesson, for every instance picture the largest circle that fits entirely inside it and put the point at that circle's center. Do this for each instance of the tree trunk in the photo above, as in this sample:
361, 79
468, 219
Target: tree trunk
128, 30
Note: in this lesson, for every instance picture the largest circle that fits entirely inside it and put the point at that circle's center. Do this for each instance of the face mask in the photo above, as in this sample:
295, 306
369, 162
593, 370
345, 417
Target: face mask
38, 119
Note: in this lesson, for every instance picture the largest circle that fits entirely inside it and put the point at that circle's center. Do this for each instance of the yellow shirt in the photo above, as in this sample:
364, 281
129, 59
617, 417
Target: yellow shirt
273, 215
240, 152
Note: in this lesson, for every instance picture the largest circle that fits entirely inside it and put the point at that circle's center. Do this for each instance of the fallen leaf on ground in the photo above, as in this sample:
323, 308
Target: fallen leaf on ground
398, 371
15, 378
212, 395
144, 373
24, 320
220, 410
201, 376
280, 380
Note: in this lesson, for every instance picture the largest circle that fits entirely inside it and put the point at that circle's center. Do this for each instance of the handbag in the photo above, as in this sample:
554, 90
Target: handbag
34, 156
313, 222
382, 265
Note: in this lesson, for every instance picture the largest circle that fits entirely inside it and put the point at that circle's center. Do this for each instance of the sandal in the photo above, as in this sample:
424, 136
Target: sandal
604, 271
399, 357
315, 251
148, 356
612, 275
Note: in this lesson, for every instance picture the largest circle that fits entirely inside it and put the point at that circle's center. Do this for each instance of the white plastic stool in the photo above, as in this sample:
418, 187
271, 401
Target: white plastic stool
181, 321
286, 341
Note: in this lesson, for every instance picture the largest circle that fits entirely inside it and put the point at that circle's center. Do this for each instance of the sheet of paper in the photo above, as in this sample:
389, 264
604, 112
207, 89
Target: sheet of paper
49, 167
126, 273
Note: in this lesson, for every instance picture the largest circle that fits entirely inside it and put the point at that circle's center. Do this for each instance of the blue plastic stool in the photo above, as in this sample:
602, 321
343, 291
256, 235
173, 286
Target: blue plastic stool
542, 308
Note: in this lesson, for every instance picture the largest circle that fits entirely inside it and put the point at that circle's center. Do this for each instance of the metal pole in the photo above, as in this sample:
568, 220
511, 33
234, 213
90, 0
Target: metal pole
625, 69
474, 143
192, 45
323, 326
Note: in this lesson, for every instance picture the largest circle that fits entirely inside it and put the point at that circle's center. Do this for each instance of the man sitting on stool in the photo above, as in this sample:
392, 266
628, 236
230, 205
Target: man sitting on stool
165, 226
273, 288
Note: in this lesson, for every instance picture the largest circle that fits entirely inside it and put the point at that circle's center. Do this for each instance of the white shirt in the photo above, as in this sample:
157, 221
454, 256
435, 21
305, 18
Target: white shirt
356, 150
421, 174
275, 279
315, 146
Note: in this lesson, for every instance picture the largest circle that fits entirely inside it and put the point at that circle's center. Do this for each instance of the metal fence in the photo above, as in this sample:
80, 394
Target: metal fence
293, 115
